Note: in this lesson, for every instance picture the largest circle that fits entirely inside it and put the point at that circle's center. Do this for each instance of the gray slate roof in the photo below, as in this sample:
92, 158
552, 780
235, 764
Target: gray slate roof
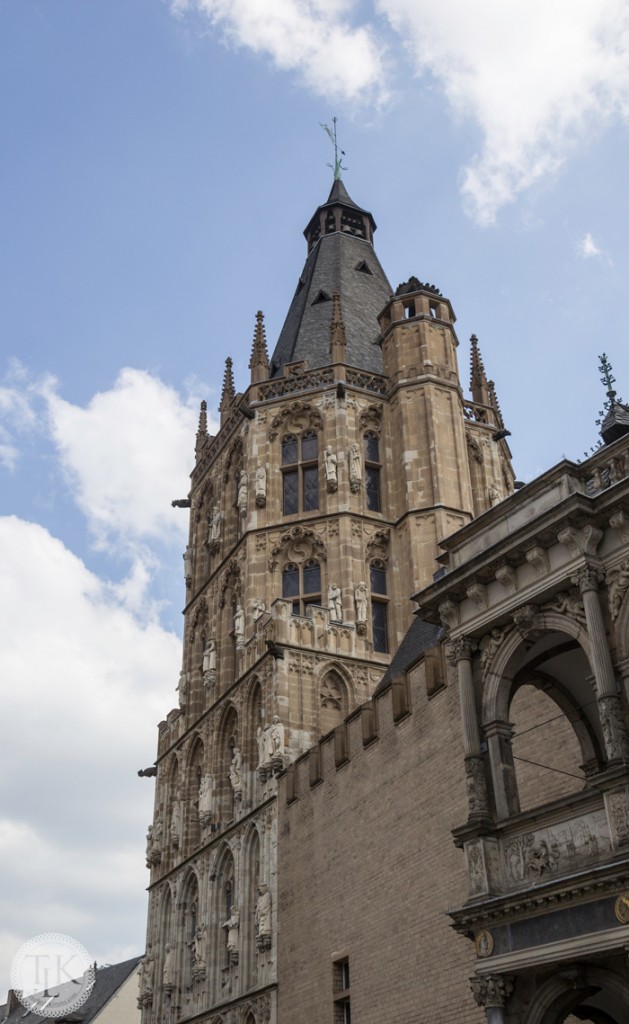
108, 981
332, 267
419, 637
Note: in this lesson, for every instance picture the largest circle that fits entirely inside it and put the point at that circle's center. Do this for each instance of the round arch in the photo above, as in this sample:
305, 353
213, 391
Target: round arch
594, 987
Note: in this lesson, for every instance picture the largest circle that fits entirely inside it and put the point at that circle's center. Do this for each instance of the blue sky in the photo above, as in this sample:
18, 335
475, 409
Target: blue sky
159, 162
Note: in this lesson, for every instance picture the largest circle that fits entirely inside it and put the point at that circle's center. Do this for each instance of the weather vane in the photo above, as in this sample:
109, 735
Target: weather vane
337, 167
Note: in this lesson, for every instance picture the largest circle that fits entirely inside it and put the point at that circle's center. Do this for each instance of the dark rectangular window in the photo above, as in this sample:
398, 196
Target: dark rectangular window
311, 488
289, 450
372, 488
341, 992
312, 578
378, 577
291, 492
379, 626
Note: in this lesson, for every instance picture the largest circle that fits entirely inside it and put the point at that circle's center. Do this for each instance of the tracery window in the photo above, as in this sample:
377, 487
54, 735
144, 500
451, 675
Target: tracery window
379, 602
302, 585
300, 473
371, 443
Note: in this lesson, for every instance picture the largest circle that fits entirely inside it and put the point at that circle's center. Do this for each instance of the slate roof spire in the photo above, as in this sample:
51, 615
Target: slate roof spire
341, 259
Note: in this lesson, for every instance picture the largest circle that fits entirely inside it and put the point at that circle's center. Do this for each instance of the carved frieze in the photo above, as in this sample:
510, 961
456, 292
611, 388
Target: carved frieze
567, 604
490, 644
537, 855
618, 589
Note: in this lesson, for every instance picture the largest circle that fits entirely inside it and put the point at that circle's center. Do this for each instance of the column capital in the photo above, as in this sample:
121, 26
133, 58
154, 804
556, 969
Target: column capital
588, 578
492, 989
460, 648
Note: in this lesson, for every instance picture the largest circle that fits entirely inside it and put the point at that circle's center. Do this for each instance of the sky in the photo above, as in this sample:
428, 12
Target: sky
159, 162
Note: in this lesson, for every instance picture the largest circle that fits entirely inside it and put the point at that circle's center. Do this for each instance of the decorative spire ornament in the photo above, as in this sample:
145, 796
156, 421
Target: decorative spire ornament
337, 331
229, 392
337, 167
478, 378
202, 434
259, 361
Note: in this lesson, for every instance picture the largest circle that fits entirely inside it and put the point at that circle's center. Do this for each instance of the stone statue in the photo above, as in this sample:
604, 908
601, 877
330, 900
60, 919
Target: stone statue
187, 563
233, 926
235, 771
200, 946
175, 822
239, 624
261, 739
259, 609
209, 657
241, 500
156, 841
493, 495
360, 597
261, 486
168, 973
205, 800
217, 519
149, 849
263, 911
182, 688
276, 736
355, 468
147, 978
334, 602
330, 463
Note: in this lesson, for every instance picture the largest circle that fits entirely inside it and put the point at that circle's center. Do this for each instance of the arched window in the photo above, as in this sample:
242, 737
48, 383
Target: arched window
331, 702
371, 448
379, 602
300, 473
302, 585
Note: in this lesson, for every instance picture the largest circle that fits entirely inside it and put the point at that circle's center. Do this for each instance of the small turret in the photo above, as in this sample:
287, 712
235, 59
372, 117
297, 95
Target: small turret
228, 393
259, 361
202, 434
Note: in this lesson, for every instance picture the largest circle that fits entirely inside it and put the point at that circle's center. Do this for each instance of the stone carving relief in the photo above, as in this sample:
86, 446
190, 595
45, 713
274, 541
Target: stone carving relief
199, 947
241, 500
449, 614
297, 544
476, 872
168, 972
206, 800
147, 979
567, 604
378, 544
230, 580
360, 600
477, 593
182, 689
583, 541
335, 605
208, 664
618, 588
617, 802
214, 529
525, 620
475, 449
187, 565
298, 416
235, 773
538, 558
154, 842
490, 644
613, 726
199, 617
619, 522
232, 924
239, 625
370, 418
506, 575
538, 855
271, 748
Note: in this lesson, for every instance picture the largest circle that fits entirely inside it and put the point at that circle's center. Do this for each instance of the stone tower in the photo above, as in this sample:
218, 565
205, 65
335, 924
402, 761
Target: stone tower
315, 513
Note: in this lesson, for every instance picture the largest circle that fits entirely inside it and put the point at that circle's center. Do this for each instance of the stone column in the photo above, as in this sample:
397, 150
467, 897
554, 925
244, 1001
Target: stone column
460, 652
499, 735
492, 991
610, 708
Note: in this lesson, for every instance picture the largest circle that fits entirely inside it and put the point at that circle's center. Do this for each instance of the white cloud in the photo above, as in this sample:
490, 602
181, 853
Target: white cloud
315, 38
589, 249
16, 414
539, 79
127, 454
84, 683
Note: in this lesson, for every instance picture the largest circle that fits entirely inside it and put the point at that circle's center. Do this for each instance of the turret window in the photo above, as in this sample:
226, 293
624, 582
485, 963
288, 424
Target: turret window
379, 601
371, 443
302, 586
300, 473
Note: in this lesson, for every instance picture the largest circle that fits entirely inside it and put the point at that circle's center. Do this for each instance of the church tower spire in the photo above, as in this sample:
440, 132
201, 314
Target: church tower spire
259, 361
229, 392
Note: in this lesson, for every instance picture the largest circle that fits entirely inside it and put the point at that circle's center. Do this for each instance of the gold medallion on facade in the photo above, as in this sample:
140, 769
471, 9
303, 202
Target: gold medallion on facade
484, 943
621, 908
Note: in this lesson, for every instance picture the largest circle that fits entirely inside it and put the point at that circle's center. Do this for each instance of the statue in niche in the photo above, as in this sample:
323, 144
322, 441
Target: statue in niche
175, 822
355, 468
147, 979
330, 462
182, 688
276, 735
156, 841
263, 912
215, 524
261, 740
149, 847
199, 944
360, 597
187, 563
168, 973
205, 800
259, 609
493, 494
334, 603
241, 500
260, 486
239, 624
208, 664
235, 771
233, 926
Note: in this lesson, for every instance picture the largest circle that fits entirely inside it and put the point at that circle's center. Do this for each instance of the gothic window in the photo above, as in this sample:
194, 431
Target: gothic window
379, 601
300, 473
331, 702
302, 585
371, 444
